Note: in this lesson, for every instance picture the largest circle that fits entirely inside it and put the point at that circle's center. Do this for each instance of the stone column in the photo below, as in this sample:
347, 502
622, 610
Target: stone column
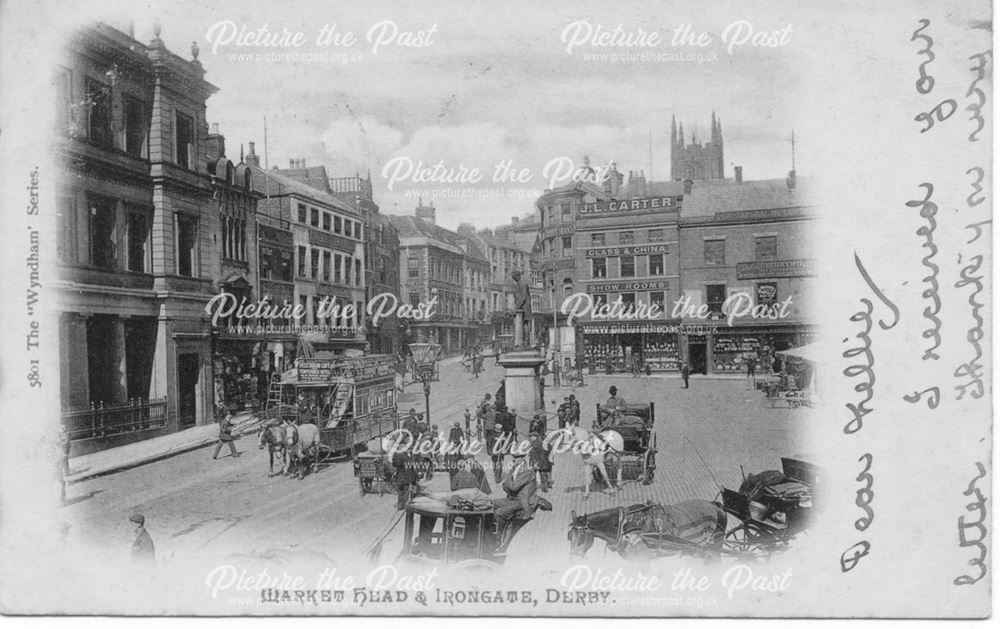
119, 378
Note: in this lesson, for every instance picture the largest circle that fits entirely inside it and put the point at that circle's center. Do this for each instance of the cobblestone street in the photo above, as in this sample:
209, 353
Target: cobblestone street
198, 508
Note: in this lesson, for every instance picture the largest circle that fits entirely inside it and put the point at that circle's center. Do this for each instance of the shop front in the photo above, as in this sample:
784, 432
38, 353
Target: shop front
617, 344
729, 350
242, 369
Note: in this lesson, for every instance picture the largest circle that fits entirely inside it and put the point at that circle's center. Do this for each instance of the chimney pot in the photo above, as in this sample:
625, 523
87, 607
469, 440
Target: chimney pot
215, 128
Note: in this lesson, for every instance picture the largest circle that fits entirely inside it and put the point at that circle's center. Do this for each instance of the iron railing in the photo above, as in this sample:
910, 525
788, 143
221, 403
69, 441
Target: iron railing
102, 420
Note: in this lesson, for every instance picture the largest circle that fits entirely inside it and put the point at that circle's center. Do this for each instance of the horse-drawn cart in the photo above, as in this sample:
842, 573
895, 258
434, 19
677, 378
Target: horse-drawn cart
374, 472
636, 457
771, 507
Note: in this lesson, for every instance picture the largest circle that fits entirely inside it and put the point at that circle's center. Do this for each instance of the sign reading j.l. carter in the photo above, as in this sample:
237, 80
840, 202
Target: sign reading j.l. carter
630, 205
631, 250
775, 268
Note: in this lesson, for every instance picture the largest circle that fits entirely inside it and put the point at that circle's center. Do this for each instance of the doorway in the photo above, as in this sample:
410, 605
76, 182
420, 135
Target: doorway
698, 356
188, 374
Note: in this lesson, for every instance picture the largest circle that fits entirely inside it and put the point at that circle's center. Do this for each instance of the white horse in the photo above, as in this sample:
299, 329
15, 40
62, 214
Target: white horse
594, 448
302, 442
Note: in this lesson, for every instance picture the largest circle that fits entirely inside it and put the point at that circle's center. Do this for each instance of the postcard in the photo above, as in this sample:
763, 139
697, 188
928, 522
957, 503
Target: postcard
519, 309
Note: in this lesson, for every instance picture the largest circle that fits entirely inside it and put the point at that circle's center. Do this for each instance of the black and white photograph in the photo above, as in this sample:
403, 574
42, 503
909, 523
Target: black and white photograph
653, 310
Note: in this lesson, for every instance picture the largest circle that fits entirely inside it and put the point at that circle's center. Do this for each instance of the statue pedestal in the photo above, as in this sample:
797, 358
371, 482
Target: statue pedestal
521, 389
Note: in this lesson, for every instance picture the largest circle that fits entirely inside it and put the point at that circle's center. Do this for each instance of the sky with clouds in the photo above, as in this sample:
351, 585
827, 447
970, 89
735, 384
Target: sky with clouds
495, 83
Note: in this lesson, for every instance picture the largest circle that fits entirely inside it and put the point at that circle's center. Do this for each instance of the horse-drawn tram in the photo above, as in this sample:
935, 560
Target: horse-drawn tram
351, 399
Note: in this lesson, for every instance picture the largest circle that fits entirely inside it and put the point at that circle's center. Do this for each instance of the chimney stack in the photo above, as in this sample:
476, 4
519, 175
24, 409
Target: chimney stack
688, 184
738, 173
252, 159
790, 181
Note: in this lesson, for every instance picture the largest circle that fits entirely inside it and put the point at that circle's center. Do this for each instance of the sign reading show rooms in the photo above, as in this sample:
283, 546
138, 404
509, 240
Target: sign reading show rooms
631, 205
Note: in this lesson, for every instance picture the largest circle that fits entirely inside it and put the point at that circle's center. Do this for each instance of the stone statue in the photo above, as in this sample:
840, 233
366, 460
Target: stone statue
522, 307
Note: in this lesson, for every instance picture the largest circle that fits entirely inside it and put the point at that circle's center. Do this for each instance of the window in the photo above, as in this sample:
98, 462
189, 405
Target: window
656, 298
99, 113
628, 266
765, 248
337, 229
302, 213
767, 294
326, 266
184, 140
600, 299
304, 302
413, 267
715, 296
656, 264
656, 235
414, 299
285, 273
136, 128
338, 273
347, 270
567, 212
102, 232
599, 267
567, 287
187, 245
628, 238
302, 262
138, 236
567, 246
314, 217
628, 299
357, 231
357, 273
266, 262
597, 240
65, 220
314, 264
715, 252
326, 221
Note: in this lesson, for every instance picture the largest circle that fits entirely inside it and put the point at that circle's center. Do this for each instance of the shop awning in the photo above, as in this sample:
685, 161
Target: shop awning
813, 352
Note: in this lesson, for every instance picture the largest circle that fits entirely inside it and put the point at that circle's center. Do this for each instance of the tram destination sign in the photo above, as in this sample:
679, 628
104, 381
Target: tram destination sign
363, 368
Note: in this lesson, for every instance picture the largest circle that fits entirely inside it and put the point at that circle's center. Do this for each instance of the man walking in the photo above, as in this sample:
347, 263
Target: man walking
226, 436
143, 550
685, 373
521, 489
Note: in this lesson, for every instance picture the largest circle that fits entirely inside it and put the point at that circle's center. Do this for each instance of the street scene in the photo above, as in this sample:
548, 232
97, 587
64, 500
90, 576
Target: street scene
197, 507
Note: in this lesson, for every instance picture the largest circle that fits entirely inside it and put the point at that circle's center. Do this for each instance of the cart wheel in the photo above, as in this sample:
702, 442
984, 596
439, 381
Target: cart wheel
749, 543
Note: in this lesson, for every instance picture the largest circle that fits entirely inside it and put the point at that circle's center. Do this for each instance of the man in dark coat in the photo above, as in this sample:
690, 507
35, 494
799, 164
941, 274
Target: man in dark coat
686, 373
455, 435
464, 478
406, 478
521, 489
540, 461
142, 548
226, 436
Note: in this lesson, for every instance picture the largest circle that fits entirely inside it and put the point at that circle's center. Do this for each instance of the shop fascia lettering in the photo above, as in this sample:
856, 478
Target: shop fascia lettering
651, 203
637, 250
737, 305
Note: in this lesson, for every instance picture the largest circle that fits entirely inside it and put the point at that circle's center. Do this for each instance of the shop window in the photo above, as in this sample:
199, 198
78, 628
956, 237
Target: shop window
99, 113
656, 235
600, 299
599, 268
715, 252
765, 248
302, 213
184, 140
314, 264
102, 232
597, 240
656, 298
327, 223
413, 267
138, 237
302, 262
567, 246
715, 296
136, 128
628, 299
628, 266
627, 238
314, 217
656, 264
187, 245
327, 258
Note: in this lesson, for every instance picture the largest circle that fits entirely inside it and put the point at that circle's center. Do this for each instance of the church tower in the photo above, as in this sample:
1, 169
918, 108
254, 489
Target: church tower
696, 160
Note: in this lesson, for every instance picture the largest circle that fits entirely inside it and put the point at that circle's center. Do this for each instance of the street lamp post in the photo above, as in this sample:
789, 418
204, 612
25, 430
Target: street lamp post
556, 361
424, 356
